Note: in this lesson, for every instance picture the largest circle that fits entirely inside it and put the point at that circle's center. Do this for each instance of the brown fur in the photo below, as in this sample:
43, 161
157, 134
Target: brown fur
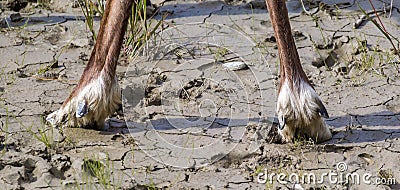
290, 66
299, 107
108, 44
98, 86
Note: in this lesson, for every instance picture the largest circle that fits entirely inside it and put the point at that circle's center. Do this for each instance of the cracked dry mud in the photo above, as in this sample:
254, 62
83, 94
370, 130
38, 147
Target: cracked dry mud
191, 123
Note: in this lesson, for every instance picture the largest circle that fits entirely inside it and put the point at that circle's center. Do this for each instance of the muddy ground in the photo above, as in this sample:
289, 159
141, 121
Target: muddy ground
191, 123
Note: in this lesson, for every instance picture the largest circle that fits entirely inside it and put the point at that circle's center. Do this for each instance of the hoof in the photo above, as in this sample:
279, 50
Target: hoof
301, 113
90, 107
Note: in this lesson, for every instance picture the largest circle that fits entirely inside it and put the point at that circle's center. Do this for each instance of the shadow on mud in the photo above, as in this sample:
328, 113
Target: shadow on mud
39, 21
374, 127
259, 7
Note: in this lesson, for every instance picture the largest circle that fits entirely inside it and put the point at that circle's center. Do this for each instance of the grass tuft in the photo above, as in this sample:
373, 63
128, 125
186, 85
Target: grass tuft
382, 29
141, 27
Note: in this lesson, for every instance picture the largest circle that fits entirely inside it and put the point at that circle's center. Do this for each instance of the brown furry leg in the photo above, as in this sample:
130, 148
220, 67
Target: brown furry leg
97, 94
300, 111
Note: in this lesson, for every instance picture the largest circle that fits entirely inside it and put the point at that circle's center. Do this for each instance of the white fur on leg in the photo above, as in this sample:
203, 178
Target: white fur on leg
102, 101
300, 108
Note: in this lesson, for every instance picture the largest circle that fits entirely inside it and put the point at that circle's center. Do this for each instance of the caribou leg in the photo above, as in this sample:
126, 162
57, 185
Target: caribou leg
300, 110
97, 94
